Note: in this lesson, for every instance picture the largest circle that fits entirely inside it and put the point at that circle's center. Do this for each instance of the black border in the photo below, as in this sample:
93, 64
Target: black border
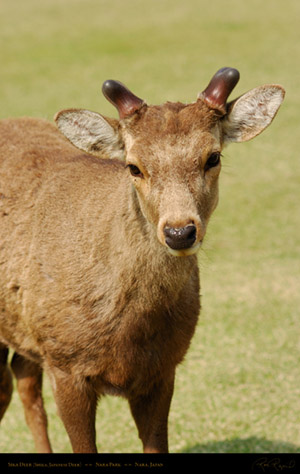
150, 463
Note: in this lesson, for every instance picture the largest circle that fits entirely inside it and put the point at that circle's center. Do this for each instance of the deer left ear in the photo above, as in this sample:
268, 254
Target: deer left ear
91, 132
251, 113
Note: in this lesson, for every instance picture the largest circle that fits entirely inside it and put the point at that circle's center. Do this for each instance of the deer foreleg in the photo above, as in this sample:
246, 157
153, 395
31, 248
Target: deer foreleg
6, 386
150, 413
29, 382
76, 401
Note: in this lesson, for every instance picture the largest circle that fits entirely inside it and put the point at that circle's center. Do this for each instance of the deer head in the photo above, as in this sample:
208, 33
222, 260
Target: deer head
172, 152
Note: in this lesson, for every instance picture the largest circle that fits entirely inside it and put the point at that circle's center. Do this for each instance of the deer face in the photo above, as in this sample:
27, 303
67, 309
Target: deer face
174, 166
172, 152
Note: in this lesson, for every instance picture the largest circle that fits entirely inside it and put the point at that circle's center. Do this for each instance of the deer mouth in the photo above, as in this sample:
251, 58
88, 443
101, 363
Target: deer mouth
184, 252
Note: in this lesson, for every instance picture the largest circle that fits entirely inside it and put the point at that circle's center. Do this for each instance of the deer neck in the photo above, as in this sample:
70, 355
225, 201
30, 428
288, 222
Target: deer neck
145, 256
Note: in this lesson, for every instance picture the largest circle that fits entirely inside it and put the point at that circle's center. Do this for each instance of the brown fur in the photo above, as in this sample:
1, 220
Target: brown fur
88, 289
95, 317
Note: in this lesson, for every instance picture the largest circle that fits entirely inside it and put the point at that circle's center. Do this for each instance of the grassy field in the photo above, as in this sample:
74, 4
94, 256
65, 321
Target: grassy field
239, 387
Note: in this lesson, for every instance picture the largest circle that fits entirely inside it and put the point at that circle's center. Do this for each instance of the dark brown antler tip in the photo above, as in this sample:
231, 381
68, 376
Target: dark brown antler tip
220, 87
122, 98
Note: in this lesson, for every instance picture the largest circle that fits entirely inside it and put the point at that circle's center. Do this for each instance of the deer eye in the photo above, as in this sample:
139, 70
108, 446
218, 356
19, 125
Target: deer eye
135, 171
213, 160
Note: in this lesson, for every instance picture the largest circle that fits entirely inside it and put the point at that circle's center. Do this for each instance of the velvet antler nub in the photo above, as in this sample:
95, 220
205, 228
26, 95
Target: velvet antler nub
122, 98
219, 88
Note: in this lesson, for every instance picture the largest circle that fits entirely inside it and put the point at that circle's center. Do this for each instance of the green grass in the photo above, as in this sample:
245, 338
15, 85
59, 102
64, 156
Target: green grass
238, 389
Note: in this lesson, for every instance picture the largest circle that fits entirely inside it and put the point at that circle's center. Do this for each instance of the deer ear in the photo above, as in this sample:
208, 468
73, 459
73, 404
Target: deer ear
91, 132
251, 113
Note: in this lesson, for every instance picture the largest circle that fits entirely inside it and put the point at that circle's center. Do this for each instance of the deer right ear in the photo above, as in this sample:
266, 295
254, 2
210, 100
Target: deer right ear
250, 114
91, 132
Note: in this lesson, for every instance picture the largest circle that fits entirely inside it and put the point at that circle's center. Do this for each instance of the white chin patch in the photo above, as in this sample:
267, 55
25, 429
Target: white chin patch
184, 252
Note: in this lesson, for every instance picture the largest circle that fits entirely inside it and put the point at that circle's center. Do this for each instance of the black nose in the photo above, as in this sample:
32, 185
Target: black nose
182, 238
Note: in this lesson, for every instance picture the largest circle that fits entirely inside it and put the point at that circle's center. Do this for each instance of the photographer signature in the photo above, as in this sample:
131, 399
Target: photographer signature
264, 464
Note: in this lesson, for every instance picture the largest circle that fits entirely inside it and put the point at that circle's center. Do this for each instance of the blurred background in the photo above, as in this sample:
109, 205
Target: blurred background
238, 389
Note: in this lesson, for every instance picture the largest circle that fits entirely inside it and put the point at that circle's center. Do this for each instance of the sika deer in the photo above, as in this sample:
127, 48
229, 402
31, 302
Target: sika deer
99, 279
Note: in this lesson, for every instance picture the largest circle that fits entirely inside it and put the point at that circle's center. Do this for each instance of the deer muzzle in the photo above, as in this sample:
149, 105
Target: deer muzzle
182, 238
182, 241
